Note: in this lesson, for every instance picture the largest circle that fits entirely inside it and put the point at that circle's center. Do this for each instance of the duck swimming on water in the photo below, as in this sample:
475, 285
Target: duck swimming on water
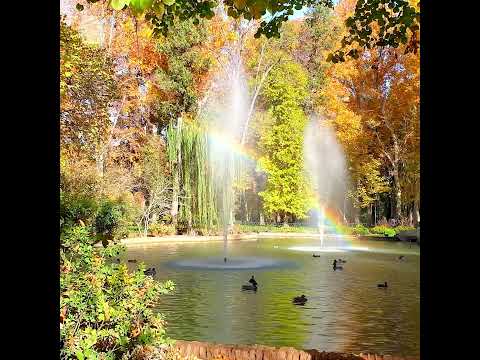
300, 300
150, 272
384, 285
335, 266
315, 255
253, 284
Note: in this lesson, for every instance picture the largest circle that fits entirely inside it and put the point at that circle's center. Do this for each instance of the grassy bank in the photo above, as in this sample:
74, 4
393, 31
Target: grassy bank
361, 230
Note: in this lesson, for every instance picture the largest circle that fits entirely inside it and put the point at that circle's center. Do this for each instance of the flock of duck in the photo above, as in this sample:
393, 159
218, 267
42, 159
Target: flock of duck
253, 285
302, 299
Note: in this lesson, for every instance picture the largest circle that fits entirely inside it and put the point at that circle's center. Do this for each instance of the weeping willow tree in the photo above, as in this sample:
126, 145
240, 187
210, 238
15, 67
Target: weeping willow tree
194, 200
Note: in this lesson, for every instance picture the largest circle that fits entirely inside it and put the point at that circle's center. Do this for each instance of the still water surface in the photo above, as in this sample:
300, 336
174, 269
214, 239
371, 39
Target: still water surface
345, 309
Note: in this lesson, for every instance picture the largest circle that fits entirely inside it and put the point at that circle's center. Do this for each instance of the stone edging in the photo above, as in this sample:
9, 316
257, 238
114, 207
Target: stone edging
211, 351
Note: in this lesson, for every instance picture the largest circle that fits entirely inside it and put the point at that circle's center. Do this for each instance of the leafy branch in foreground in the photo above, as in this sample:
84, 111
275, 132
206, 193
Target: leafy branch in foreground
162, 13
380, 23
105, 311
375, 23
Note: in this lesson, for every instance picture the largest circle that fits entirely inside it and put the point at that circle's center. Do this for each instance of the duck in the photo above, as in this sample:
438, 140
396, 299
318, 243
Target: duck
384, 285
401, 257
335, 266
132, 260
249, 287
342, 261
315, 255
150, 272
300, 300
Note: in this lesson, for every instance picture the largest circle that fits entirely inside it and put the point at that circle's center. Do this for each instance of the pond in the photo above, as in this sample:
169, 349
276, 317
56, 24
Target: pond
346, 311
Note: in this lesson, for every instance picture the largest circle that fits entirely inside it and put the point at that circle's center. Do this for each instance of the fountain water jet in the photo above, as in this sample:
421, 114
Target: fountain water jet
225, 113
326, 166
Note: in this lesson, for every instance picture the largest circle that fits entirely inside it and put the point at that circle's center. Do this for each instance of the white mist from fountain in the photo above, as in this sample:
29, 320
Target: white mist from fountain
225, 113
326, 167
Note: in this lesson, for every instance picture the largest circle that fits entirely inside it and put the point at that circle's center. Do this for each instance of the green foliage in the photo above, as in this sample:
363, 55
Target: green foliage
111, 220
185, 63
163, 13
396, 20
188, 143
319, 37
370, 184
383, 230
359, 229
76, 207
245, 228
159, 229
403, 228
286, 191
105, 311
87, 88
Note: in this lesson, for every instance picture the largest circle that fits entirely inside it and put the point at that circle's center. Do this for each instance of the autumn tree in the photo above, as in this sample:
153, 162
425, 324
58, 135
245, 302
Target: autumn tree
286, 194
88, 90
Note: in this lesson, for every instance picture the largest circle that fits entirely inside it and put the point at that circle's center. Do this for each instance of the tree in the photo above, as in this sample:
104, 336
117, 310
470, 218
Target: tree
154, 184
370, 183
88, 91
382, 88
287, 193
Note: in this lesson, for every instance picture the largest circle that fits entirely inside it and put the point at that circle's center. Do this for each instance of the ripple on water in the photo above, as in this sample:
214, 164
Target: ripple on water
235, 263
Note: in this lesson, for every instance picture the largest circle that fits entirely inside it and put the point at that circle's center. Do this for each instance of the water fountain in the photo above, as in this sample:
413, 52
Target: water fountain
224, 115
326, 166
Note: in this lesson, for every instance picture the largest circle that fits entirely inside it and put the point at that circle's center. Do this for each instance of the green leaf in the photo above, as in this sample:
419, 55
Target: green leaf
159, 8
168, 2
119, 4
139, 6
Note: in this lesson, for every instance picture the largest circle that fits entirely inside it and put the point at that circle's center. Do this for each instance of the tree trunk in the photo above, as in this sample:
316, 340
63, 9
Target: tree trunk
100, 163
262, 220
416, 214
370, 215
410, 215
397, 190
397, 196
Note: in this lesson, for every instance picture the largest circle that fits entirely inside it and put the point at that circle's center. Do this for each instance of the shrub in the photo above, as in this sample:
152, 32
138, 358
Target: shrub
383, 230
404, 228
74, 208
105, 311
159, 229
111, 220
359, 229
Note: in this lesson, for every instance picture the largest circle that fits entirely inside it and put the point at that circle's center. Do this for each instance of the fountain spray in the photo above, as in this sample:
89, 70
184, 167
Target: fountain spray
326, 166
225, 113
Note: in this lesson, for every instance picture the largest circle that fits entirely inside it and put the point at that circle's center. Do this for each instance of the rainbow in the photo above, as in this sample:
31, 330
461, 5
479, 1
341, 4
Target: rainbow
333, 218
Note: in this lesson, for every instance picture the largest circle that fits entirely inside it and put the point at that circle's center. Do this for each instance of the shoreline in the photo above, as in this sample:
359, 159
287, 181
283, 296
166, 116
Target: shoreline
235, 237
212, 351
